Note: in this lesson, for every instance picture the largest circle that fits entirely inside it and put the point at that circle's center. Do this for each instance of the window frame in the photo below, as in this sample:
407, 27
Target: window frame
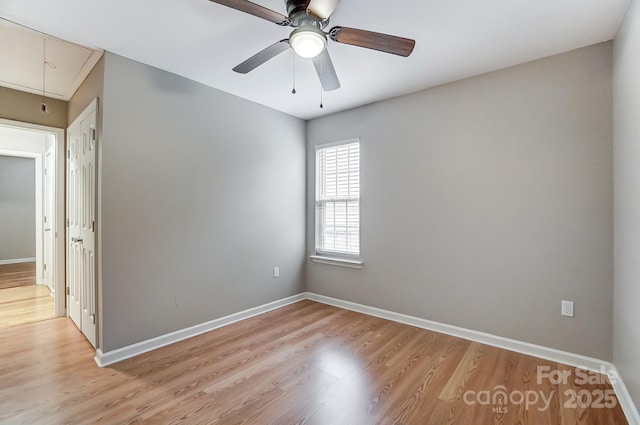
327, 256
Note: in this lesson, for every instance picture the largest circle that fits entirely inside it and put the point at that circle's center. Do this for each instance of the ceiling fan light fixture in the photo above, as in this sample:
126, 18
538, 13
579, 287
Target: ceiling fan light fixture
308, 41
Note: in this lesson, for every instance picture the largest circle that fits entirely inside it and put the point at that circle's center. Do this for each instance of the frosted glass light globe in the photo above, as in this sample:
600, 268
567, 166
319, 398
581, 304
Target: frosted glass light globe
307, 41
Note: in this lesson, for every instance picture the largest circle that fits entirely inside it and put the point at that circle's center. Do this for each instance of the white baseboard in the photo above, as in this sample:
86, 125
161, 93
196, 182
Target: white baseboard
484, 338
114, 356
626, 402
539, 351
571, 359
17, 260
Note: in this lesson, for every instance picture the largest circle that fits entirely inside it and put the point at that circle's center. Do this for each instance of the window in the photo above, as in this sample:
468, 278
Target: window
338, 199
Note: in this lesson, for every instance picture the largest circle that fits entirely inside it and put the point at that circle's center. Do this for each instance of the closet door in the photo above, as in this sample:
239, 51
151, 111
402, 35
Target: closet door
81, 210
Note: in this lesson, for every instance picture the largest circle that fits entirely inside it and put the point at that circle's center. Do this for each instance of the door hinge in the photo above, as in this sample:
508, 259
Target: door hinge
68, 291
68, 222
44, 267
93, 134
45, 218
68, 154
93, 225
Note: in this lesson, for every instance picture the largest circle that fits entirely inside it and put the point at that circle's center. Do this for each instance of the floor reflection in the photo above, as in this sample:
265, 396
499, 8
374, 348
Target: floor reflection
341, 391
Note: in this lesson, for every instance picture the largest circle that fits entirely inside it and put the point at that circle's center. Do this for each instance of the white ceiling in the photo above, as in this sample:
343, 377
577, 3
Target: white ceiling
202, 41
22, 55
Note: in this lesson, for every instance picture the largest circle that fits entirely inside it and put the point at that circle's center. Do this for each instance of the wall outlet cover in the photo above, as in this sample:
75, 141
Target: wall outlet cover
567, 308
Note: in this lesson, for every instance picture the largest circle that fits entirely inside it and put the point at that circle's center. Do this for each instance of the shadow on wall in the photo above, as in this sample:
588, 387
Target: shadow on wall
167, 82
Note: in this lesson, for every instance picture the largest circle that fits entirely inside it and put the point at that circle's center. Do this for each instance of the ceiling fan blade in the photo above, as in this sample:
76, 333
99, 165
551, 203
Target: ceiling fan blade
323, 8
255, 10
326, 71
373, 40
263, 56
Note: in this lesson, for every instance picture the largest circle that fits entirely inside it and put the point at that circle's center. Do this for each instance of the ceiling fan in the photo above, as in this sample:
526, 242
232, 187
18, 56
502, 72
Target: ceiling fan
309, 40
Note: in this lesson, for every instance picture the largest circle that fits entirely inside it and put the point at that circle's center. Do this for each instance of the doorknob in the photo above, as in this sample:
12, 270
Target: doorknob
76, 239
47, 229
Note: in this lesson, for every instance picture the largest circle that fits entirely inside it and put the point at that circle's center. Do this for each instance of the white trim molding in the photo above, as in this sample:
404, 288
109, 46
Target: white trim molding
17, 260
31, 148
540, 351
571, 359
551, 354
626, 402
117, 355
336, 261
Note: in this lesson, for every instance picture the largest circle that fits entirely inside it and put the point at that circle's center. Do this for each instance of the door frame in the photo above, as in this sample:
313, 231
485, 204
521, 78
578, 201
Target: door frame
48, 211
59, 229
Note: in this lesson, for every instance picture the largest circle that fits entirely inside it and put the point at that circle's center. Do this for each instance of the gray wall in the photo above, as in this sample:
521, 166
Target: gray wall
202, 195
486, 202
21, 106
17, 208
626, 350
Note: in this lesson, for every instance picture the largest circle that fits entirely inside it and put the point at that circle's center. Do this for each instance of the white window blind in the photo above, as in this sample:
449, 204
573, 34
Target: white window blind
338, 199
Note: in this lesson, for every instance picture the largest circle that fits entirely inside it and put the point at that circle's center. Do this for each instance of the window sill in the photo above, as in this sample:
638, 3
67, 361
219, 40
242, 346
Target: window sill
334, 261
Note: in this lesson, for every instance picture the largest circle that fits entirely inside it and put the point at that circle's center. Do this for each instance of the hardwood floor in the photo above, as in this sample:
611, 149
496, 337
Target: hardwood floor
21, 300
306, 363
19, 274
25, 304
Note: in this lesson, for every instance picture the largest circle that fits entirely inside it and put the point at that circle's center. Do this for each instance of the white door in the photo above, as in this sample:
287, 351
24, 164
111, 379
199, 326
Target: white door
74, 263
48, 219
81, 201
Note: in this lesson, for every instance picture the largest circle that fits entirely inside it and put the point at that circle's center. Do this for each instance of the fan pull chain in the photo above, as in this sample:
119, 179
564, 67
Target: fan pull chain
321, 72
293, 63
43, 105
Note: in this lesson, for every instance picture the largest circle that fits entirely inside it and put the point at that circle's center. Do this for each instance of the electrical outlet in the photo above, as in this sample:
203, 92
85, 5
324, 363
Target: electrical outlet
567, 308
276, 272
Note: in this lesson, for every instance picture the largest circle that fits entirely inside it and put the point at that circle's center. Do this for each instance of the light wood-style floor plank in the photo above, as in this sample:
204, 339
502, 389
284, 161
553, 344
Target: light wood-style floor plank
21, 300
25, 304
18, 274
306, 363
